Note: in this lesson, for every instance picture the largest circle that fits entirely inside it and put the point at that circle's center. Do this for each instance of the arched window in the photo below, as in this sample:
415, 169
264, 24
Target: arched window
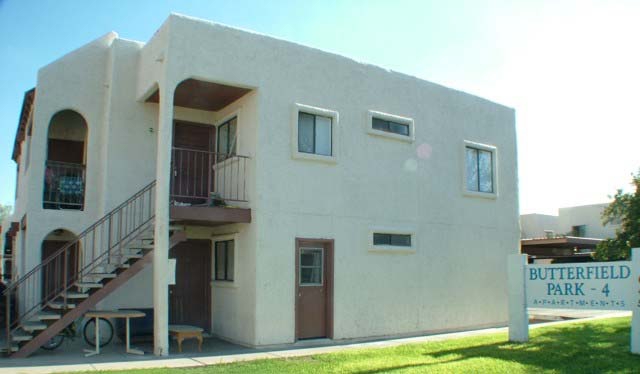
64, 177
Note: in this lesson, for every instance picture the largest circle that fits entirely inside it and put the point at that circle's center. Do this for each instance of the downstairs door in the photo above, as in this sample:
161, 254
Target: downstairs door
190, 296
314, 288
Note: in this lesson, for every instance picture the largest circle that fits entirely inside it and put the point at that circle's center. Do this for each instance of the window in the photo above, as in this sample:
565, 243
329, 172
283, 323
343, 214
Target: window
579, 231
224, 260
314, 134
227, 139
390, 126
311, 265
396, 240
480, 169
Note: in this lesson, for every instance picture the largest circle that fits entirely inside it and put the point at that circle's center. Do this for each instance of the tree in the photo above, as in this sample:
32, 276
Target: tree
5, 211
624, 209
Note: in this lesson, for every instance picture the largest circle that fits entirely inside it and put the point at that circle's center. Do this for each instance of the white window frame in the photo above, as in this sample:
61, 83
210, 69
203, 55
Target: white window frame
391, 117
225, 283
494, 166
217, 124
393, 248
321, 267
295, 153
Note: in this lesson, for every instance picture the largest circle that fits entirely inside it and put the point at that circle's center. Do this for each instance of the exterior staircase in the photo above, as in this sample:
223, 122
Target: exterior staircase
82, 273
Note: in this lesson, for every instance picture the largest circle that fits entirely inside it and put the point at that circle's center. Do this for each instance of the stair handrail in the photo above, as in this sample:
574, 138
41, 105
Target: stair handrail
135, 221
82, 234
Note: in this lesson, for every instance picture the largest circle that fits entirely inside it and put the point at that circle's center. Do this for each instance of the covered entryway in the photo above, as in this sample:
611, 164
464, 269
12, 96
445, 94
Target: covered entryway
314, 288
60, 267
190, 296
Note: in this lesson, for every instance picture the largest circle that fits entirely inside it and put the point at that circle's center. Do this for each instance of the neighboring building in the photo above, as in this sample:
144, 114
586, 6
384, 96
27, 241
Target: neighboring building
536, 225
584, 221
359, 202
572, 235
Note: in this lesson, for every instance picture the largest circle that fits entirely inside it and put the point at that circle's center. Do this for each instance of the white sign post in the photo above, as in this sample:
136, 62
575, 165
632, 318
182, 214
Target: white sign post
589, 285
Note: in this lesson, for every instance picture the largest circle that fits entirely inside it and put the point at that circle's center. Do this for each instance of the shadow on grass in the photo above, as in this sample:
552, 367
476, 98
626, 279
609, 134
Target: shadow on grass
592, 347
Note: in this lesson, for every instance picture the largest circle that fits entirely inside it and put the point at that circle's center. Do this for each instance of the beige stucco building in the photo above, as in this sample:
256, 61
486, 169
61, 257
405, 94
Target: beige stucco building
349, 201
580, 221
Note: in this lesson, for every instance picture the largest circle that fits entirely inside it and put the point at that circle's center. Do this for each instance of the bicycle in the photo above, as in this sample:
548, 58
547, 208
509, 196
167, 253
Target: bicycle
88, 333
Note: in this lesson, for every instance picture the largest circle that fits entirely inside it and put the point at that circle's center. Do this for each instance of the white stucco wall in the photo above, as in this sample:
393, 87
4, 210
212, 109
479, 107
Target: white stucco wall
459, 263
588, 215
534, 225
436, 286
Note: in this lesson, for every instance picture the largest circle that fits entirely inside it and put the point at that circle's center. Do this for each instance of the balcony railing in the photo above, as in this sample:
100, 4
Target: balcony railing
64, 186
197, 175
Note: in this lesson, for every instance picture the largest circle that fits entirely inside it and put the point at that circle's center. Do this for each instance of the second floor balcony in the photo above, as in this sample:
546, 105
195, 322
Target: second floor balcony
204, 184
64, 185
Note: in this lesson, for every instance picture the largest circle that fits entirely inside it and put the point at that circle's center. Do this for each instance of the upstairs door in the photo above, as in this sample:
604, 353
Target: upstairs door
190, 296
192, 162
314, 289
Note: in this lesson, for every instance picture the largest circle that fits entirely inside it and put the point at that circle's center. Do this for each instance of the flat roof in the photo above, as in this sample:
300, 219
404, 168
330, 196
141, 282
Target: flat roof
563, 242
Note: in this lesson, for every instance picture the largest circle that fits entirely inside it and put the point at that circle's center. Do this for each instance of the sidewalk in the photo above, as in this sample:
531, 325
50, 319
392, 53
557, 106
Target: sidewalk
36, 364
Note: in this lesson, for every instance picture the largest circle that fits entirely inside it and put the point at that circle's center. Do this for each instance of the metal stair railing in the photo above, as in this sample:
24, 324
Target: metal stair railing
93, 250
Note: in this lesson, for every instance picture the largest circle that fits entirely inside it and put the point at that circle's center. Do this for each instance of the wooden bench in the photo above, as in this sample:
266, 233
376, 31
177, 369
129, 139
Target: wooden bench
182, 332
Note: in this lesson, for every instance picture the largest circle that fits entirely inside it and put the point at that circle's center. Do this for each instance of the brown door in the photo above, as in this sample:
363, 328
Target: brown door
190, 297
314, 289
193, 158
53, 271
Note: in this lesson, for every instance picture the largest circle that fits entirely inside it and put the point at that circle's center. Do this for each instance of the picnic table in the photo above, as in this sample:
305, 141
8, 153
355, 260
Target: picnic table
126, 314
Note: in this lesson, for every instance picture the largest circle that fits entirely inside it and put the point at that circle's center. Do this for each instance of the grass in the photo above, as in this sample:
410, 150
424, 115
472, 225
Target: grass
592, 347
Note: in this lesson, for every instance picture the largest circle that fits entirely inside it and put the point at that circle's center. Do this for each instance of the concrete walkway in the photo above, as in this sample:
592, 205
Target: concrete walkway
228, 353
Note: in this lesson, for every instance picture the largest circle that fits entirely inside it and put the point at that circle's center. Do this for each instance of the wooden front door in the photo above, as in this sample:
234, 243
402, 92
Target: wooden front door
193, 159
190, 297
314, 289
53, 271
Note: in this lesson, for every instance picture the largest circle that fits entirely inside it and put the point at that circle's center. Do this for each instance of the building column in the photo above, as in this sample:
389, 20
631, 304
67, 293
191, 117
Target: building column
161, 235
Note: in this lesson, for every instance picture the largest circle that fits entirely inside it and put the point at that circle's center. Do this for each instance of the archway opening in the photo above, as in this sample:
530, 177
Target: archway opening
59, 267
64, 179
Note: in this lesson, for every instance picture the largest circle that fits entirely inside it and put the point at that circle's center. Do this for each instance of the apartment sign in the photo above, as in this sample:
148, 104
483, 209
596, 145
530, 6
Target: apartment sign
596, 285
589, 285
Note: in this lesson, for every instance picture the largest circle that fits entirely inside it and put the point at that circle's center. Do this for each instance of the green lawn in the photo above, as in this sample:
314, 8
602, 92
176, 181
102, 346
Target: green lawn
593, 347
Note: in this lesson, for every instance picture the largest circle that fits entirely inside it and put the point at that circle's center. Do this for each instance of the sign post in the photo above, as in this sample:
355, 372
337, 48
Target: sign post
518, 316
635, 298
589, 285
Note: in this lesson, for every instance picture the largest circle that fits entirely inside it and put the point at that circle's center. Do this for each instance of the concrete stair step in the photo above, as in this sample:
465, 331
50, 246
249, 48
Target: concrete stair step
14, 348
142, 246
77, 295
59, 305
48, 316
88, 285
101, 275
20, 336
33, 326
126, 256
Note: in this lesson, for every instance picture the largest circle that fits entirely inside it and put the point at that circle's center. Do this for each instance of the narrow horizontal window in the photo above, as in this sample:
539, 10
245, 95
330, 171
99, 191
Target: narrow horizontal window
396, 240
390, 126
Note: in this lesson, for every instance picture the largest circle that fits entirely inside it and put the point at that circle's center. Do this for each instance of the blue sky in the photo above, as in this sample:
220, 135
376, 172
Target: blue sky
569, 68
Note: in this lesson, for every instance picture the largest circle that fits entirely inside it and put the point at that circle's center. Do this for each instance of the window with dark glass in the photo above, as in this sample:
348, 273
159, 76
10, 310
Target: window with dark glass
579, 231
314, 134
311, 264
224, 258
390, 126
396, 240
479, 170
227, 139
